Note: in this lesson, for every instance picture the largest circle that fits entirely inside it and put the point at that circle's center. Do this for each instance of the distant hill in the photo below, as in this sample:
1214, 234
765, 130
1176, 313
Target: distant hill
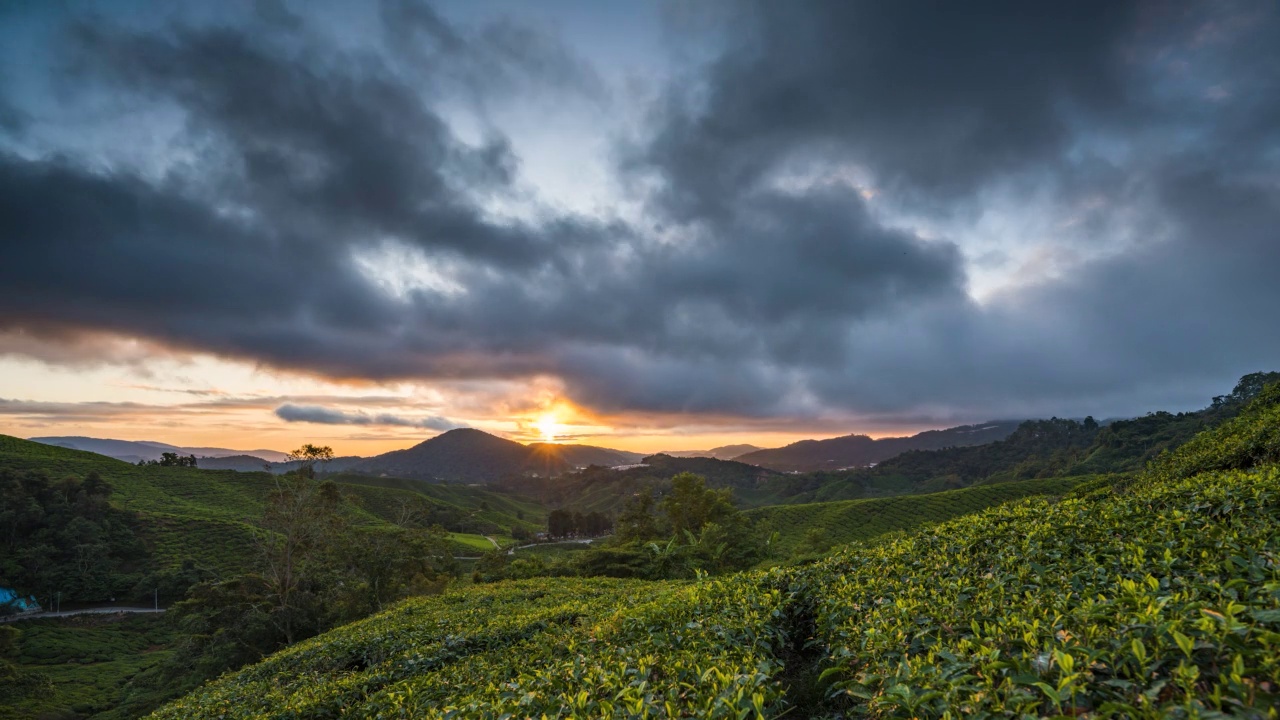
239, 463
852, 451
250, 463
606, 489
135, 450
568, 457
464, 454
470, 455
724, 452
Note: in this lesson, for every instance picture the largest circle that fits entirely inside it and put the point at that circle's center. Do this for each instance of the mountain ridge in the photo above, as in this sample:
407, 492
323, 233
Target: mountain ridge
135, 450
862, 450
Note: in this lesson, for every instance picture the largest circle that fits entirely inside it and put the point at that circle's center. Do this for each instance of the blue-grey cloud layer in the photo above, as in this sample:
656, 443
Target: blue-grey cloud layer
741, 293
330, 416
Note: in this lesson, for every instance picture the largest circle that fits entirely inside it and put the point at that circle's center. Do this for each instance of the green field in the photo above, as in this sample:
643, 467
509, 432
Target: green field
468, 544
840, 522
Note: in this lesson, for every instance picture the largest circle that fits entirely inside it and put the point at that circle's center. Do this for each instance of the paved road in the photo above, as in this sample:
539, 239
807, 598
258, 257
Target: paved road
87, 611
581, 541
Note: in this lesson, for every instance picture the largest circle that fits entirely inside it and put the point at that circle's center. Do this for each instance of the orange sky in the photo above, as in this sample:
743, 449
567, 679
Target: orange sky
201, 400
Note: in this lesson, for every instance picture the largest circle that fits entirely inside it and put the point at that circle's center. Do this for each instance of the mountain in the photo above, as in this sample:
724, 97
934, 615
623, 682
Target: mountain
135, 450
558, 458
464, 454
471, 455
724, 452
861, 450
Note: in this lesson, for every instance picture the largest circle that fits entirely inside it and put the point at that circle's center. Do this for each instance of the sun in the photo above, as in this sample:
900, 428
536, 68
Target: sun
550, 427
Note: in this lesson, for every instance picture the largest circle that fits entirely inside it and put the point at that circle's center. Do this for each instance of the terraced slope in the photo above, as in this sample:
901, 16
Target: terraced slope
208, 515
1154, 598
581, 648
846, 521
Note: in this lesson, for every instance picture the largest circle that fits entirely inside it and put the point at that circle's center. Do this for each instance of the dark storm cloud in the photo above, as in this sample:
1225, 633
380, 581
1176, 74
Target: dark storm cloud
330, 416
935, 96
770, 281
502, 56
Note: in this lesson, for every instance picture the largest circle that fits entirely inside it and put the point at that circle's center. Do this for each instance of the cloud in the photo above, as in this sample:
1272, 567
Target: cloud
330, 416
808, 200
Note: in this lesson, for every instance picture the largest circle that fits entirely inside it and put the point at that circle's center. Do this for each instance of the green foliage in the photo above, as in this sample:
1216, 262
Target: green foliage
571, 523
64, 536
211, 517
813, 528
86, 665
1160, 603
1149, 599
559, 648
691, 505
704, 533
637, 522
1250, 439
314, 572
170, 460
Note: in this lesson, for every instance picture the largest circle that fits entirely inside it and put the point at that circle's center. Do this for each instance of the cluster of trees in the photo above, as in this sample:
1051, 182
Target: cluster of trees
313, 570
691, 530
64, 537
572, 523
171, 460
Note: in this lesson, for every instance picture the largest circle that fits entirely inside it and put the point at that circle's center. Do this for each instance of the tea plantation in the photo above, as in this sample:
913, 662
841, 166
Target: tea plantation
845, 521
208, 516
1151, 597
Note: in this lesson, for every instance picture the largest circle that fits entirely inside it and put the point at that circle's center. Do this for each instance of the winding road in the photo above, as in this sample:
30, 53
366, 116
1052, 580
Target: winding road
86, 611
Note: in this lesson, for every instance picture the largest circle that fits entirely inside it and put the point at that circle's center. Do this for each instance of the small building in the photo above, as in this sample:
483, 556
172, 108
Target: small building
10, 598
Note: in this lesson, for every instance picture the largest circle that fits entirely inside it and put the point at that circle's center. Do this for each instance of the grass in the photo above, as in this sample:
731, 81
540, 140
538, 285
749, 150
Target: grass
468, 544
88, 661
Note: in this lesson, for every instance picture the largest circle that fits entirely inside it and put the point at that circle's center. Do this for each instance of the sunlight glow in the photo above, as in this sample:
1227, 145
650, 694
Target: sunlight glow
550, 427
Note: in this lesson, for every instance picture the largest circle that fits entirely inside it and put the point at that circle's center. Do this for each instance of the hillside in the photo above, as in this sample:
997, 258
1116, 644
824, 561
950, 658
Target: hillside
555, 458
860, 450
606, 489
208, 516
464, 454
1154, 597
469, 455
1038, 449
814, 527
724, 452
135, 450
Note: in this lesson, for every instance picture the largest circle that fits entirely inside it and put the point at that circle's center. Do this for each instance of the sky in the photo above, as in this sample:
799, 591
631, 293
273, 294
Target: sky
643, 225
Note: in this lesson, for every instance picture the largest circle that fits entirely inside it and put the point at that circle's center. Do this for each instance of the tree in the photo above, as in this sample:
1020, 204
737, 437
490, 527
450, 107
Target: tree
308, 456
301, 517
692, 504
636, 522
